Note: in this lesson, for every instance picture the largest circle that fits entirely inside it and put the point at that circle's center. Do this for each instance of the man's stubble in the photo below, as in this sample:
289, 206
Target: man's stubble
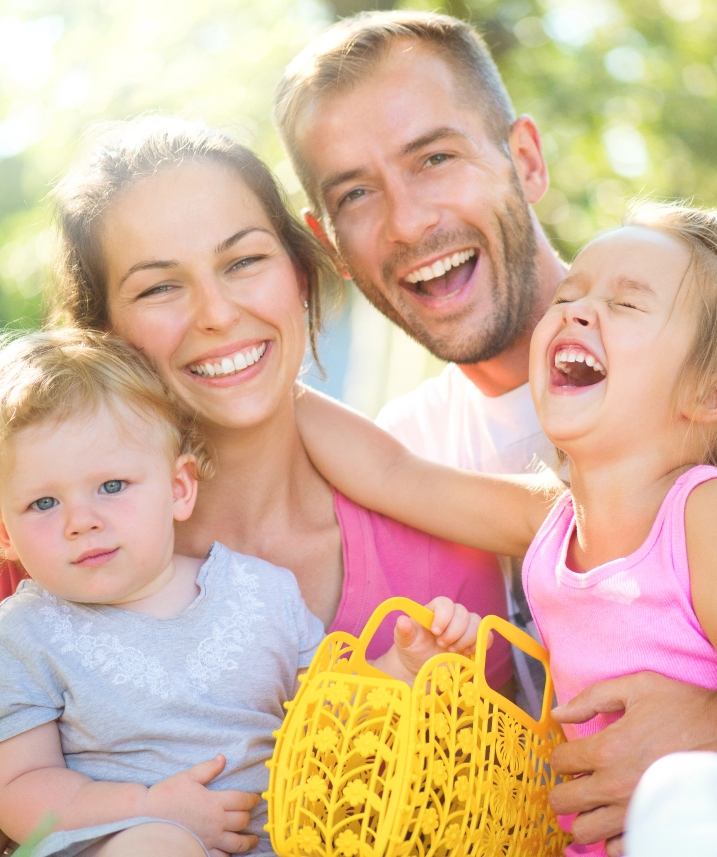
514, 286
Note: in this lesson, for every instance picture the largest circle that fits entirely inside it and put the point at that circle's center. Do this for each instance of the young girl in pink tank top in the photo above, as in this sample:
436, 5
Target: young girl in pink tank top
620, 570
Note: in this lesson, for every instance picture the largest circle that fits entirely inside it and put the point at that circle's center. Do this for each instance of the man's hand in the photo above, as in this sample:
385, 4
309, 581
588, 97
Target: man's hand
215, 816
661, 716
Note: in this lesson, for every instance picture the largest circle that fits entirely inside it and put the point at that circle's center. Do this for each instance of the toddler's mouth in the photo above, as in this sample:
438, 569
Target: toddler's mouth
575, 366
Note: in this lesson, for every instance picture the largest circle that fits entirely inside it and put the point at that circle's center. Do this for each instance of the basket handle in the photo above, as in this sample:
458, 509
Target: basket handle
421, 614
522, 641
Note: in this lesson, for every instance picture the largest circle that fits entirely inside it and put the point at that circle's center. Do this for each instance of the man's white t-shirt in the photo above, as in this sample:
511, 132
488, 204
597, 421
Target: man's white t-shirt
450, 421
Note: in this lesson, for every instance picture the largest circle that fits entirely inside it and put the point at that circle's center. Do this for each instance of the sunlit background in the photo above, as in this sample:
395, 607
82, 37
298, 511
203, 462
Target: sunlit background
625, 92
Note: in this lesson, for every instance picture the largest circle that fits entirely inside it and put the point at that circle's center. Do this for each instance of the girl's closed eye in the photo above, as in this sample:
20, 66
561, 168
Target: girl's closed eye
44, 504
112, 486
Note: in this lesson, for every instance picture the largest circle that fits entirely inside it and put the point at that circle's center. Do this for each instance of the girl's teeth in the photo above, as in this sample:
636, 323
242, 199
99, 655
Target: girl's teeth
571, 357
590, 360
580, 357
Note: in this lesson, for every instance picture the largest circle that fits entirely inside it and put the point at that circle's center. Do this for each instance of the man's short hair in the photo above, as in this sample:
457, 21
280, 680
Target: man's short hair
349, 51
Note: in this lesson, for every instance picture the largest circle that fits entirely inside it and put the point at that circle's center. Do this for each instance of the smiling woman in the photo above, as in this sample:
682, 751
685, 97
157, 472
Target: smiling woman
178, 239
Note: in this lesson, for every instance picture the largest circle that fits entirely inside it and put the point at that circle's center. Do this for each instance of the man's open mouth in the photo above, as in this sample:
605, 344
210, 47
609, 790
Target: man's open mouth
444, 278
574, 366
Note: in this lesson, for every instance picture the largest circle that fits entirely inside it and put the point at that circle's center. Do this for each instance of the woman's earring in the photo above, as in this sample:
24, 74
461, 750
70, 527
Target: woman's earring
306, 304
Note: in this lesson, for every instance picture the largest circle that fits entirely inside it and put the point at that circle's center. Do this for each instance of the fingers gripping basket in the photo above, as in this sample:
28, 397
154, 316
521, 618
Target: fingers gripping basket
365, 766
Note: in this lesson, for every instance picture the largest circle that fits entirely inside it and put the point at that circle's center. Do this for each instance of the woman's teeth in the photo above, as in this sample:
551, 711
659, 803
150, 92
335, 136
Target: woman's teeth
440, 267
230, 365
564, 358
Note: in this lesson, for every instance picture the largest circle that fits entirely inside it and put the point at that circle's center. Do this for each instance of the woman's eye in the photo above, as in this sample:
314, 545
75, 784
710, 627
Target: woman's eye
112, 486
43, 504
156, 290
246, 262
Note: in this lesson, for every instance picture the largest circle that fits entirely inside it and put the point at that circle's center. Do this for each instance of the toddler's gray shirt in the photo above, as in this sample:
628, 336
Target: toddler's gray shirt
138, 699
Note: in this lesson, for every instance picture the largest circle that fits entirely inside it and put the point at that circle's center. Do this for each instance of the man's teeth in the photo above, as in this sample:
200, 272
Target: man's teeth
230, 365
572, 355
439, 268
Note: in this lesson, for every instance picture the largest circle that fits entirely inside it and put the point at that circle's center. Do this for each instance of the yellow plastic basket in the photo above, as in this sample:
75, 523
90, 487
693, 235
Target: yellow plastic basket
365, 766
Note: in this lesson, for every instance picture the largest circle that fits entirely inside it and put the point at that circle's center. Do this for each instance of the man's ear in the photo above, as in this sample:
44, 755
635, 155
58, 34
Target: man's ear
184, 487
317, 228
527, 152
7, 549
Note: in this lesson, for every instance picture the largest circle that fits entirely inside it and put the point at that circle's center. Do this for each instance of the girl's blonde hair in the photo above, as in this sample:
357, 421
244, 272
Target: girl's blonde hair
696, 229
55, 374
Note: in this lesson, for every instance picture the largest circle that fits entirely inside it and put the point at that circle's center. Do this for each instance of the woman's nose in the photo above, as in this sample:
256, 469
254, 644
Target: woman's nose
216, 309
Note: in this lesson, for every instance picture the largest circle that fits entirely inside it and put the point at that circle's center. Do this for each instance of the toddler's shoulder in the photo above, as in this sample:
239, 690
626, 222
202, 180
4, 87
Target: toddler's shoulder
263, 576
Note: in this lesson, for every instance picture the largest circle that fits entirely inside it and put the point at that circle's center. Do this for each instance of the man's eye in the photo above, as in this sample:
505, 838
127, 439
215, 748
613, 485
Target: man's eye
43, 504
439, 158
112, 486
356, 193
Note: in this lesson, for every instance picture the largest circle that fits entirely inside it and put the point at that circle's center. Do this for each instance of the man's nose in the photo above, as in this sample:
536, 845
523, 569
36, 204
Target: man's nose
409, 216
81, 519
215, 306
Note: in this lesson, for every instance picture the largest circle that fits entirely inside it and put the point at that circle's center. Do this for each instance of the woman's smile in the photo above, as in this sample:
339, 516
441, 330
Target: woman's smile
236, 362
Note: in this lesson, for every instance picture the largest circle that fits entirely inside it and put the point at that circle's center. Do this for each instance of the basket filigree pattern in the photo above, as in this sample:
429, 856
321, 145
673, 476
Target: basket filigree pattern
366, 767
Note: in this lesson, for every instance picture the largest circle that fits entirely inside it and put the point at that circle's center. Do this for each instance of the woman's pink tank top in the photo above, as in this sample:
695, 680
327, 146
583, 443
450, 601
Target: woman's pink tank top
632, 614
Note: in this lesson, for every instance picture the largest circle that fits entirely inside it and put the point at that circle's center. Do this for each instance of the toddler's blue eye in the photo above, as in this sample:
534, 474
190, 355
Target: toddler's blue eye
43, 504
113, 486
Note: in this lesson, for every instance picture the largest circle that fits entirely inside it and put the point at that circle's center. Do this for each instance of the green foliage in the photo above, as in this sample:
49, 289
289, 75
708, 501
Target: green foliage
625, 92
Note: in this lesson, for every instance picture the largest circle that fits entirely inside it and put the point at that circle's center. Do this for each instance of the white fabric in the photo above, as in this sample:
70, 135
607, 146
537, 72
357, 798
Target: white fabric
674, 808
448, 420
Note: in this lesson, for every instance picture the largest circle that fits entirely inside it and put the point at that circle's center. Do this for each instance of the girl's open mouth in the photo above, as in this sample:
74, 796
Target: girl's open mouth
575, 366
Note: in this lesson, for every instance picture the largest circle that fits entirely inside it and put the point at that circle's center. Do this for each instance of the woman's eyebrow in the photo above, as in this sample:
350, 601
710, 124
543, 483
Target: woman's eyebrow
143, 266
237, 236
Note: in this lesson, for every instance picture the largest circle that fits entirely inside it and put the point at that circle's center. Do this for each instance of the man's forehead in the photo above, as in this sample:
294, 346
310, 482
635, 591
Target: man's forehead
408, 98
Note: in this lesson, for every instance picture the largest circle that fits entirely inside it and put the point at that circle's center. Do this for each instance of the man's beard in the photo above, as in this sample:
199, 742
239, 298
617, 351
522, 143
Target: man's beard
514, 287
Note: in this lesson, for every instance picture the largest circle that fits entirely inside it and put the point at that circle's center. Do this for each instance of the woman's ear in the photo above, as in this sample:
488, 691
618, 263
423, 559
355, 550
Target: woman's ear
5, 545
318, 231
184, 487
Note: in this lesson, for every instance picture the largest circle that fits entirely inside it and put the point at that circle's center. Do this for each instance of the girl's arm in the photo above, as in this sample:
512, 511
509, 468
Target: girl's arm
35, 784
495, 513
702, 555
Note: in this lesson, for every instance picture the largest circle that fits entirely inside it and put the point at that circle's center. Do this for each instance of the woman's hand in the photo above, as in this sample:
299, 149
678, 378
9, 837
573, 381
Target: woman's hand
454, 629
215, 816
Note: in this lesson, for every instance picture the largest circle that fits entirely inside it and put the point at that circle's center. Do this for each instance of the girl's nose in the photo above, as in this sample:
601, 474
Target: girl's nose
579, 312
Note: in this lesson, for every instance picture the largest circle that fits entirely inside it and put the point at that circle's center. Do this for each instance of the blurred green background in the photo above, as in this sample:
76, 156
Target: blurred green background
625, 92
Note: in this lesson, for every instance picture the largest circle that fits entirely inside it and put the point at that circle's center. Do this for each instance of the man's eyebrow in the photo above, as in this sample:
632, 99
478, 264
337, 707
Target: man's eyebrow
339, 178
164, 264
442, 133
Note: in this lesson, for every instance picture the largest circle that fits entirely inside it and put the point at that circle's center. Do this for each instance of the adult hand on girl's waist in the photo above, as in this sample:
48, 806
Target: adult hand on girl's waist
661, 716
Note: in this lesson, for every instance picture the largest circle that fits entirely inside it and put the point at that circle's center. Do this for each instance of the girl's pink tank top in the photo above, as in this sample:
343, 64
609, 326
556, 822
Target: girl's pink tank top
631, 614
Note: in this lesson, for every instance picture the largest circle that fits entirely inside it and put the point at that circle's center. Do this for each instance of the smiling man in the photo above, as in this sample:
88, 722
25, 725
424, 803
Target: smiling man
420, 175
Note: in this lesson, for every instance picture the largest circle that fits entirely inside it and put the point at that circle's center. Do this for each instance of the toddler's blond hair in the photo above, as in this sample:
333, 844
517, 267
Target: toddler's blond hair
52, 375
